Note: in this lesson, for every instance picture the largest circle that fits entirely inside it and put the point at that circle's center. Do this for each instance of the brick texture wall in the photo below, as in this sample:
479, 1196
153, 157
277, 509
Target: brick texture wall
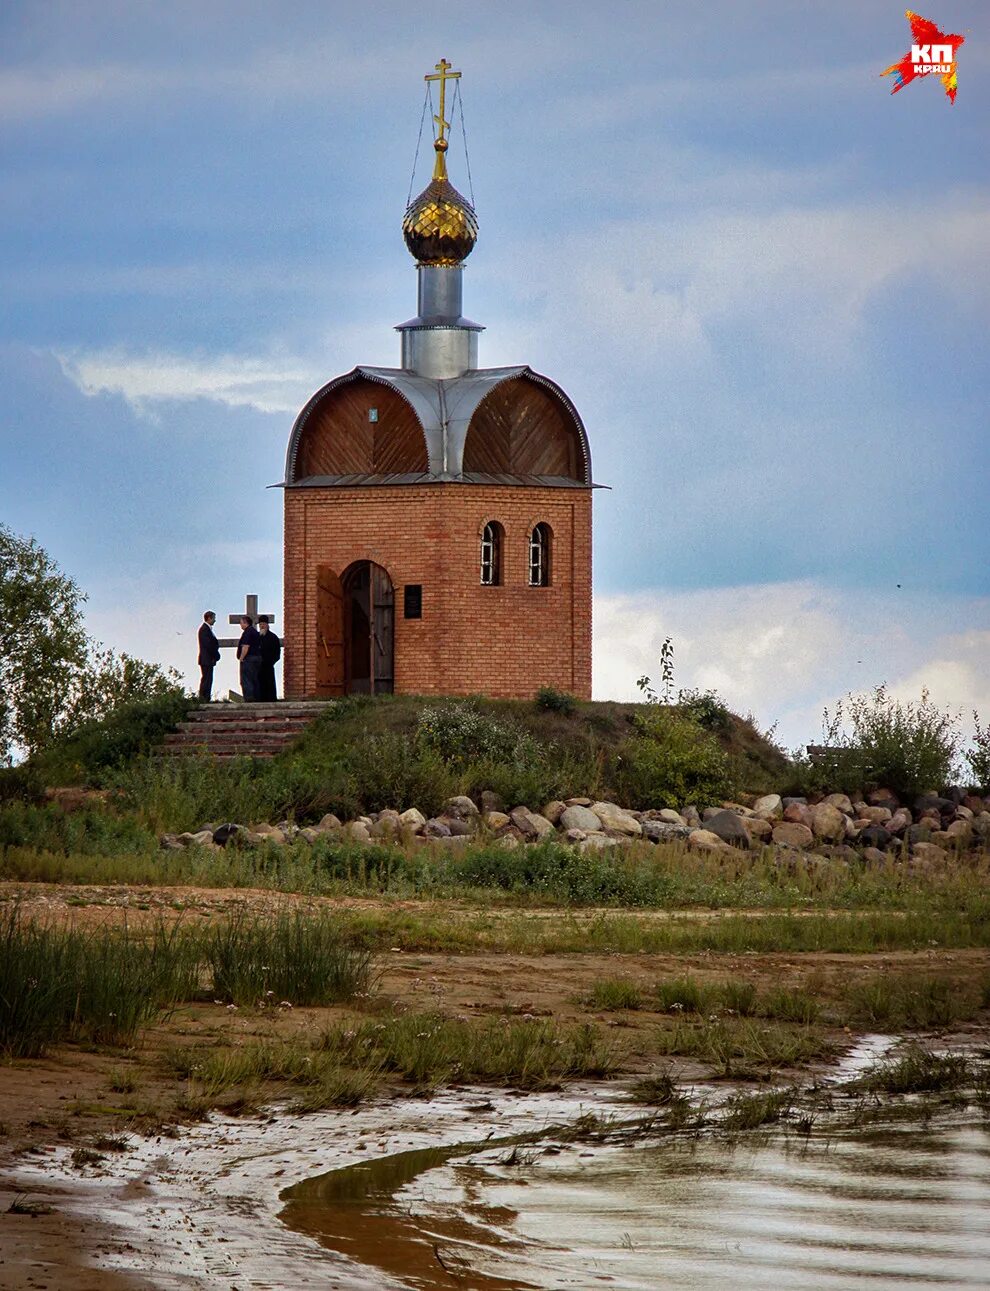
503, 641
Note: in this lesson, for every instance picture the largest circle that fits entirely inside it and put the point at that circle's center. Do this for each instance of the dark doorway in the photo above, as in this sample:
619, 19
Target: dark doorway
330, 661
368, 629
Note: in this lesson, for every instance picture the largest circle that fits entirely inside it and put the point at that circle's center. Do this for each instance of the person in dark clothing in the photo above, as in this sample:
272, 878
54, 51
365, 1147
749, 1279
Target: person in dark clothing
209, 656
249, 657
271, 652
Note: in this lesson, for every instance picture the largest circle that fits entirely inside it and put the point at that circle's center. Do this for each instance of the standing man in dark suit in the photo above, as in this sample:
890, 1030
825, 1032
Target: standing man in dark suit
249, 657
209, 655
271, 652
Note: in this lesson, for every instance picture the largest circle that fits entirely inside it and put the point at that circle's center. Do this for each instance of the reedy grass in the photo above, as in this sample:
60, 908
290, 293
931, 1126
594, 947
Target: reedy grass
916, 1071
608, 933
101, 985
429, 1049
348, 1062
615, 993
741, 1048
751, 1111
284, 957
899, 1001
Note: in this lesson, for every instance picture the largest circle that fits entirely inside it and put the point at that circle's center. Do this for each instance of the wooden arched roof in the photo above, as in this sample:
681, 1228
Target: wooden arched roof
356, 426
378, 425
526, 426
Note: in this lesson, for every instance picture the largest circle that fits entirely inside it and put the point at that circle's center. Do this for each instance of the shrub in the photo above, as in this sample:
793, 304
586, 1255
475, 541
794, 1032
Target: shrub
671, 761
185, 792
460, 733
908, 747
979, 755
21, 784
705, 708
126, 732
88, 832
391, 770
551, 700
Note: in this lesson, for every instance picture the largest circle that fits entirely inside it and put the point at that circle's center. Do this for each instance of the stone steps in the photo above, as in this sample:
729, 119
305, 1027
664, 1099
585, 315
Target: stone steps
242, 730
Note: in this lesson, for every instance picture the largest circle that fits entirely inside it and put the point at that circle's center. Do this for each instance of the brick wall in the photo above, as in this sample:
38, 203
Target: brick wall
504, 641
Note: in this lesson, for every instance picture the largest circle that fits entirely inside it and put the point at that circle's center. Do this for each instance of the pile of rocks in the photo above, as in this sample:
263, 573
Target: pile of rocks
929, 829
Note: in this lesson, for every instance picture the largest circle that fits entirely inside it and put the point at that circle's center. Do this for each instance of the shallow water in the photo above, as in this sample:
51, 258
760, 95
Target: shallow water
899, 1208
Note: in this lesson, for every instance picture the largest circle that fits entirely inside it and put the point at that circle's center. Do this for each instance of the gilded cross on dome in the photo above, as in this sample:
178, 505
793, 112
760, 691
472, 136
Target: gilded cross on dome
443, 74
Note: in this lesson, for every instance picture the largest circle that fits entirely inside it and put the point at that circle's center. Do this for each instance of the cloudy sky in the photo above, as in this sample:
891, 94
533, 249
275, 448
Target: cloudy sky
762, 278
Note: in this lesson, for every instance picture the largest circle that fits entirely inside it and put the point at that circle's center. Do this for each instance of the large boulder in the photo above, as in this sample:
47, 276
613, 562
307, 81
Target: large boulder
271, 832
460, 808
554, 810
883, 798
703, 840
530, 823
596, 843
436, 828
387, 825
660, 831
797, 813
357, 831
961, 831
457, 827
579, 818
841, 801
929, 852
926, 801
828, 823
875, 815
901, 820
790, 833
759, 828
875, 836
729, 827
770, 806
413, 819
223, 834
497, 820
617, 820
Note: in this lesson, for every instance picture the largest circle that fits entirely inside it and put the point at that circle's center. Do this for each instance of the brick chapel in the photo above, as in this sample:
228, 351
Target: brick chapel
438, 514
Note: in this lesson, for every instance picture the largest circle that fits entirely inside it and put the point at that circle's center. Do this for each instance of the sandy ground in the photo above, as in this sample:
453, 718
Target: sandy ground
160, 1213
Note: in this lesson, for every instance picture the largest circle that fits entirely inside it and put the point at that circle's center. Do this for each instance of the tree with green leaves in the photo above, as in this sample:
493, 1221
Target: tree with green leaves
53, 676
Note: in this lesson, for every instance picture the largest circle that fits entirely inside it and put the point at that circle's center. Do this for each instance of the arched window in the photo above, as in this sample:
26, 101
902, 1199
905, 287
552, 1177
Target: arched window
539, 556
491, 554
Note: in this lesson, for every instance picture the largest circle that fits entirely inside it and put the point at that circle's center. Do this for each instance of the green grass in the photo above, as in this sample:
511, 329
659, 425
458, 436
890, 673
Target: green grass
917, 1071
350, 1061
293, 958
751, 1111
97, 985
428, 1049
736, 1047
103, 985
48, 845
615, 993
910, 1001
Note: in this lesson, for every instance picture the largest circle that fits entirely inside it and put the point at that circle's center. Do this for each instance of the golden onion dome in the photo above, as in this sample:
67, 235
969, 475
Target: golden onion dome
440, 226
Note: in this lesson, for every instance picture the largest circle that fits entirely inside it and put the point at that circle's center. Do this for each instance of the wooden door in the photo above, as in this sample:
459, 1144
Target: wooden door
382, 632
329, 632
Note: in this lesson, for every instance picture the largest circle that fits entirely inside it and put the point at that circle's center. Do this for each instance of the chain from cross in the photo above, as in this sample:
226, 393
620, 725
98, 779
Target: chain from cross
251, 610
443, 74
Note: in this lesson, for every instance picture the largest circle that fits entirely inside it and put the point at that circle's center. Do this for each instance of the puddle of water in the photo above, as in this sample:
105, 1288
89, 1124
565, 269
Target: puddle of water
904, 1208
